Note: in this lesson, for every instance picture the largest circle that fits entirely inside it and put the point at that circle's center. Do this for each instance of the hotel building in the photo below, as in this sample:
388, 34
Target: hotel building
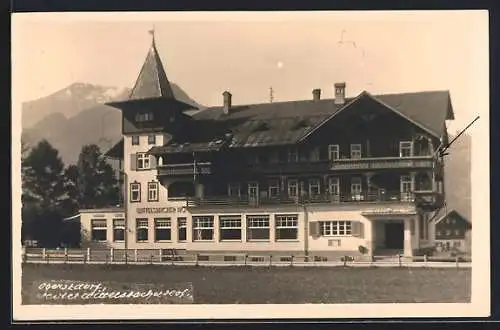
318, 177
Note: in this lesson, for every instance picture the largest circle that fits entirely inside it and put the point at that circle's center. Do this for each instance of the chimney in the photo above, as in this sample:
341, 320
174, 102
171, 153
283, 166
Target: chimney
316, 94
339, 93
227, 101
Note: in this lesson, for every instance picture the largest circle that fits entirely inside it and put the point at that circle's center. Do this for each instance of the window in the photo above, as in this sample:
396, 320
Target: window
257, 227
333, 152
405, 188
334, 188
203, 228
438, 233
448, 232
118, 230
335, 228
135, 140
457, 232
153, 191
143, 161
142, 229
135, 192
151, 139
314, 188
287, 227
163, 229
182, 229
314, 155
253, 190
99, 230
293, 188
356, 189
453, 221
144, 117
355, 151
293, 155
230, 227
274, 188
405, 149
234, 189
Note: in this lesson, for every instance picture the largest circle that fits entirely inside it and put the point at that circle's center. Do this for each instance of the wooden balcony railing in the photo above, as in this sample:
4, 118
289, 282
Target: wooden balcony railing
184, 169
245, 200
382, 163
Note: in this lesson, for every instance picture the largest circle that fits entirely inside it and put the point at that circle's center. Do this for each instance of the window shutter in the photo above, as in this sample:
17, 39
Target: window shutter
153, 162
314, 229
355, 230
361, 230
133, 162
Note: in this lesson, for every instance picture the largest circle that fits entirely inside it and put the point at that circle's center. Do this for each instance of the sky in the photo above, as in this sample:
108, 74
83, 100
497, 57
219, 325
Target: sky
247, 53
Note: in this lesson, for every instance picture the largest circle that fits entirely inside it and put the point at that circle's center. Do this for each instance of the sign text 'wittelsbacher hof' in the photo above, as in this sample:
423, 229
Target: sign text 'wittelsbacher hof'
156, 210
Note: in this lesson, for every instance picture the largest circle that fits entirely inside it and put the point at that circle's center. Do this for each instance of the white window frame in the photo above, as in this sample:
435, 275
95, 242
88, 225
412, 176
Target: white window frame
143, 161
232, 223
153, 191
135, 187
202, 224
258, 222
356, 151
286, 222
251, 186
405, 146
141, 224
181, 224
293, 155
336, 228
333, 152
119, 224
291, 184
357, 194
234, 189
457, 232
98, 225
314, 183
163, 224
405, 184
334, 182
273, 188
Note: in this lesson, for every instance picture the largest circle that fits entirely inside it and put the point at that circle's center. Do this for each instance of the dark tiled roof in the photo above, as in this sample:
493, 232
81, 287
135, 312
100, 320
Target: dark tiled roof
446, 213
152, 81
288, 122
173, 148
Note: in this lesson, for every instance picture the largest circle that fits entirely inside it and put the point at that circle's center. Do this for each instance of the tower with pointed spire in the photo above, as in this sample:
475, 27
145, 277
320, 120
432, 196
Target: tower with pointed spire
151, 116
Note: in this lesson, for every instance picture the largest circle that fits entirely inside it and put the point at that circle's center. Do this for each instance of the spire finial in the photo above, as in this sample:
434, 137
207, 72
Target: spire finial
152, 32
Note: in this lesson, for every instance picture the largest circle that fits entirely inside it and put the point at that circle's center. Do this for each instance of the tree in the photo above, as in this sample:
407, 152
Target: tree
43, 195
91, 183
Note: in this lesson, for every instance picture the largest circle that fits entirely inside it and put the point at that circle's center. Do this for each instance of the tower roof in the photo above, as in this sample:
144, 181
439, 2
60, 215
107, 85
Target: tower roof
152, 81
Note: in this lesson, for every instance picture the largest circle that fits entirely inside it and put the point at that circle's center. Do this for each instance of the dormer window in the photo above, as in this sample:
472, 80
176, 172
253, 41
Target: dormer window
144, 117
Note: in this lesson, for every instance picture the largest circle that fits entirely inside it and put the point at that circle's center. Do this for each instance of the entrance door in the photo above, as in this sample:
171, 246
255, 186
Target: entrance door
253, 193
394, 235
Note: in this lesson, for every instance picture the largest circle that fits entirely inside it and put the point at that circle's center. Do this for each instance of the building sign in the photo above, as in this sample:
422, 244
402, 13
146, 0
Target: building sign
156, 210
390, 211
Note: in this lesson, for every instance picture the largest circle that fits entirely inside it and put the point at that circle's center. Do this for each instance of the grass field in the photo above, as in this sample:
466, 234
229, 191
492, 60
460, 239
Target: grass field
281, 285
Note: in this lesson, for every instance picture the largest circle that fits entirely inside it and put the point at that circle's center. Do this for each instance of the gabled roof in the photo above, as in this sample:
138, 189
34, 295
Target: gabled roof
152, 81
116, 151
290, 122
443, 214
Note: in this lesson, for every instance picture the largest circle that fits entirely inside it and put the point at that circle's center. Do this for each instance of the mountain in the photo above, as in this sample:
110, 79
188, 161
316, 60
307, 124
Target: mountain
76, 116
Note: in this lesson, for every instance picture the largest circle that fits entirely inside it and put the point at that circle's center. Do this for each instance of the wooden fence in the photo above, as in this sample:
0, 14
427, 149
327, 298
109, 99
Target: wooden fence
173, 257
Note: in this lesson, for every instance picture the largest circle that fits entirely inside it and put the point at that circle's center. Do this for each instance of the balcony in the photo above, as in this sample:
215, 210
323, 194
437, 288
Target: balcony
380, 163
245, 200
290, 167
184, 169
